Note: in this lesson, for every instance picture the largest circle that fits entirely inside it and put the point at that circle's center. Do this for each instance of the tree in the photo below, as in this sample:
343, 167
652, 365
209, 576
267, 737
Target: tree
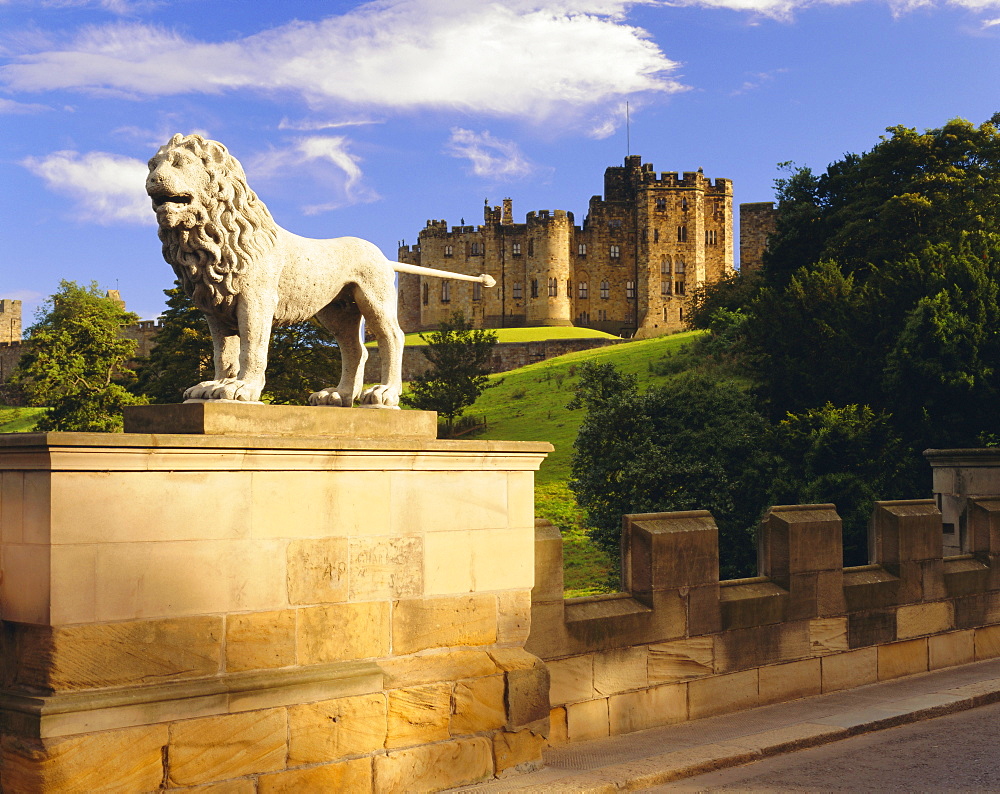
695, 443
458, 354
302, 358
77, 362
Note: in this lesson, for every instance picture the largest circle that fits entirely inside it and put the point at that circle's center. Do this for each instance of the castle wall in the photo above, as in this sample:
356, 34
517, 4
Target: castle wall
608, 273
10, 320
757, 223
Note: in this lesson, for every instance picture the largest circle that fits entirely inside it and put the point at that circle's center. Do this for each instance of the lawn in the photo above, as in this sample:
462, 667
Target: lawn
526, 335
19, 420
529, 404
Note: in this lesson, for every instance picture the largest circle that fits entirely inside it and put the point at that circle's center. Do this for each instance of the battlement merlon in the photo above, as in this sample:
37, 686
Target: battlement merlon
548, 216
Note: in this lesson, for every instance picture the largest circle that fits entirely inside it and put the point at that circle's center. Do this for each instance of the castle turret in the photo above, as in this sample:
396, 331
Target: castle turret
550, 281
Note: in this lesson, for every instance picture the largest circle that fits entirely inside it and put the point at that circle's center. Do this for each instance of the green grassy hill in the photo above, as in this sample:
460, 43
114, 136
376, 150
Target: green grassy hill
530, 405
525, 335
19, 420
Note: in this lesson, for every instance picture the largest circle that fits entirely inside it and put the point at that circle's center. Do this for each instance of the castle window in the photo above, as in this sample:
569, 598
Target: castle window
629, 315
661, 204
582, 290
553, 288
427, 293
517, 290
477, 291
664, 287
711, 237
449, 250
680, 266
665, 266
534, 288
665, 317
478, 249
680, 314
581, 249
605, 290
684, 203
616, 252
656, 235
531, 247
516, 249
445, 292
615, 224
682, 234
630, 290
679, 288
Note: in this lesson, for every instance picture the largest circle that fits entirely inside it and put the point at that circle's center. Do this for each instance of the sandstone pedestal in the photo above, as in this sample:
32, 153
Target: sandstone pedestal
274, 611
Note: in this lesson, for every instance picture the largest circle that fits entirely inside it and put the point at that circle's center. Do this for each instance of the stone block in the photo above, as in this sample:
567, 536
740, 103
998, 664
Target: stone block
188, 577
353, 776
798, 539
828, 635
680, 660
951, 649
227, 746
983, 526
527, 694
906, 531
549, 636
478, 705
521, 498
620, 670
647, 708
572, 679
307, 504
754, 647
587, 720
431, 667
24, 587
704, 610
902, 658
558, 729
721, 694
602, 623
987, 642
964, 576
418, 715
871, 587
90, 656
443, 622
502, 558
781, 682
918, 619
435, 767
342, 632
548, 563
125, 760
386, 568
668, 550
848, 670
11, 507
73, 587
243, 785
513, 617
477, 500
871, 628
260, 640
970, 611
518, 749
448, 562
317, 570
752, 604
335, 729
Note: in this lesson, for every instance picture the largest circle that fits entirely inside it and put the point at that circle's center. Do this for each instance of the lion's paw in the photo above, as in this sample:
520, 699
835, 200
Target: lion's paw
227, 389
380, 397
326, 397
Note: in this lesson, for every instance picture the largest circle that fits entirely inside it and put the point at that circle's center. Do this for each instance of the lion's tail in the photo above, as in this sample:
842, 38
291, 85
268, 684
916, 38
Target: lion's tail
402, 267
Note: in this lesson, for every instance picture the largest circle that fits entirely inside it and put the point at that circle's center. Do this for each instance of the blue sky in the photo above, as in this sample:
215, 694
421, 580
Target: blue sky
367, 119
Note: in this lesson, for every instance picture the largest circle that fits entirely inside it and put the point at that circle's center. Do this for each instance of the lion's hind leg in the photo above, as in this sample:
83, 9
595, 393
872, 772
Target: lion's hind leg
342, 318
379, 308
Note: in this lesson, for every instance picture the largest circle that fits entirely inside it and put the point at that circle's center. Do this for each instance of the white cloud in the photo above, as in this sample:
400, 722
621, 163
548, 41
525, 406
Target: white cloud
316, 126
313, 150
489, 157
121, 7
756, 81
107, 188
11, 107
534, 60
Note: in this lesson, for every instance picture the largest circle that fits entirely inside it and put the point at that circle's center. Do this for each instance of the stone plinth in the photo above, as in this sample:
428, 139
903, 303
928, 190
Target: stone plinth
275, 612
958, 476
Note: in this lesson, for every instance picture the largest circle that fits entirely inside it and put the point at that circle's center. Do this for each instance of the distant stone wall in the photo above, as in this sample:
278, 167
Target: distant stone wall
10, 354
506, 355
757, 223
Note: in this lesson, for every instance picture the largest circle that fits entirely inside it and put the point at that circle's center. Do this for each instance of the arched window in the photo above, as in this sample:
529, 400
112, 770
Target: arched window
427, 293
680, 266
445, 292
516, 249
553, 288
664, 287
516, 292
534, 288
615, 252
449, 250
656, 235
682, 234
665, 266
582, 249
661, 203
630, 290
582, 290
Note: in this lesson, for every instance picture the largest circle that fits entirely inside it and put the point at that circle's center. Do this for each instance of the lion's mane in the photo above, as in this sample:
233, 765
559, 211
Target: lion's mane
234, 228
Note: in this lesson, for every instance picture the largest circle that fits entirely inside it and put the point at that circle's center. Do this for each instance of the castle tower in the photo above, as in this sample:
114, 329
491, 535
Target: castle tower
10, 320
549, 281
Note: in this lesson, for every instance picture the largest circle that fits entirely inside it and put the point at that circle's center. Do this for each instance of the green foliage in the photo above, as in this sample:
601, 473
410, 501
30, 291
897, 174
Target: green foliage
458, 355
302, 357
19, 419
76, 361
850, 456
694, 443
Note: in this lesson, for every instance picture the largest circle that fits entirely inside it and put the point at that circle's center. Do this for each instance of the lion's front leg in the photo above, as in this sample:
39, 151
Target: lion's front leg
240, 361
226, 360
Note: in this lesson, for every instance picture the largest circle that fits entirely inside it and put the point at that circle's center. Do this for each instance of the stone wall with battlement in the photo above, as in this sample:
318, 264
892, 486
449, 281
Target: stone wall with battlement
679, 644
10, 320
757, 223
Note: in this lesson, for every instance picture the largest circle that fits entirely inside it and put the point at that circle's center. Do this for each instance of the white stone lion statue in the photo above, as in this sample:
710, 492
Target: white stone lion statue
247, 274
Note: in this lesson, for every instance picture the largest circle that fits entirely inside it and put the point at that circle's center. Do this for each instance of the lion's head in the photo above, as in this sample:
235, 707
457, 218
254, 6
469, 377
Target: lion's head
212, 224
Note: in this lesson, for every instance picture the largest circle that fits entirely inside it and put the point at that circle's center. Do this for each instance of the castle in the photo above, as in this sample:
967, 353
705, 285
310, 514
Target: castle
630, 270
